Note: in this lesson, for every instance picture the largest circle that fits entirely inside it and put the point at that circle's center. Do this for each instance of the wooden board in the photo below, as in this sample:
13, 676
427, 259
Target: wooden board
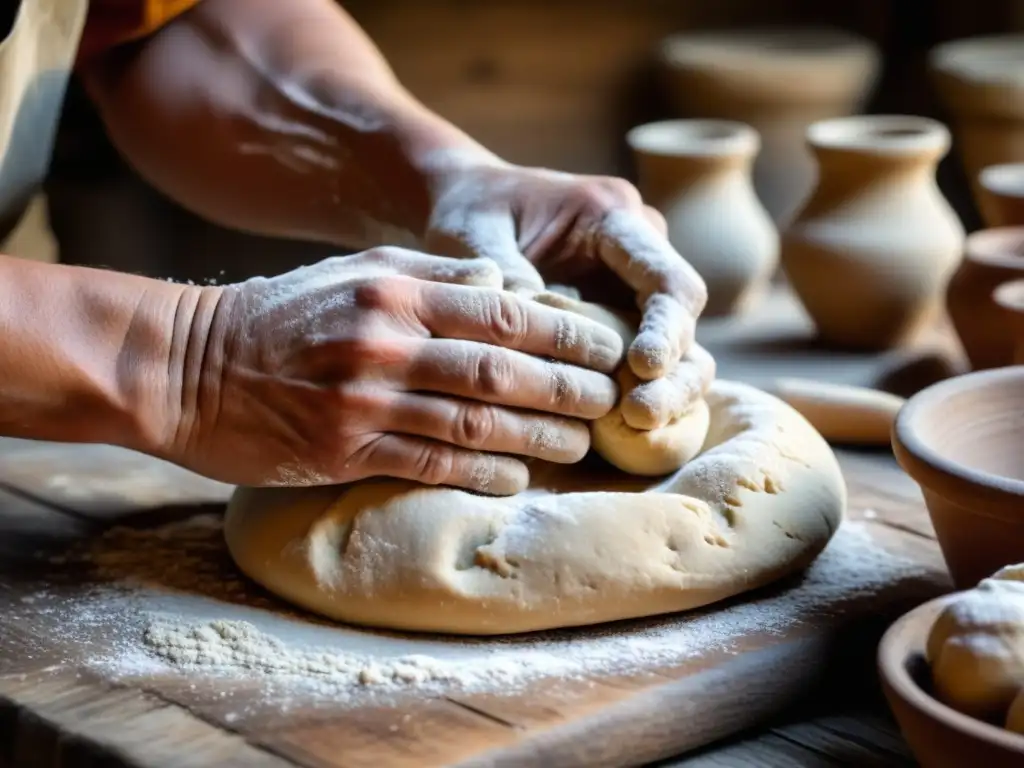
78, 683
54, 698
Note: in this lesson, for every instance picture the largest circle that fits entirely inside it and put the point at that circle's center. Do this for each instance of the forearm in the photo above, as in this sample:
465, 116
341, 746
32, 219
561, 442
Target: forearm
91, 356
279, 118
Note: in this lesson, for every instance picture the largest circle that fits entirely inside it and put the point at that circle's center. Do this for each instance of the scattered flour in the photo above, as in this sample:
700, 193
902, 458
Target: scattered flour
168, 601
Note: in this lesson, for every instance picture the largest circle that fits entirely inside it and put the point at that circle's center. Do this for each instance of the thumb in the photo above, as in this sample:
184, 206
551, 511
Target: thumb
488, 235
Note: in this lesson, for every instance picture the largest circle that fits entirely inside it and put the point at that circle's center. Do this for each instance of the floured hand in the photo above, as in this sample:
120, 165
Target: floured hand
391, 363
595, 234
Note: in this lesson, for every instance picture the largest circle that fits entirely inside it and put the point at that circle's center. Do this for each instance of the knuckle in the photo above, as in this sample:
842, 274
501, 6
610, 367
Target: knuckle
657, 219
507, 318
384, 254
474, 426
618, 189
493, 375
435, 464
383, 293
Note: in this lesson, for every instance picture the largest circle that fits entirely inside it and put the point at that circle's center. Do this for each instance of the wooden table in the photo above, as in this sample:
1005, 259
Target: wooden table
56, 710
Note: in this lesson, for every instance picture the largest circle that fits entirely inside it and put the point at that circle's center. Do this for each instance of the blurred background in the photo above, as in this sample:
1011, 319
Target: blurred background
554, 83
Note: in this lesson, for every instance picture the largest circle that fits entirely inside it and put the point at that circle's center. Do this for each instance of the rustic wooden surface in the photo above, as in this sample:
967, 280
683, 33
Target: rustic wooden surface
56, 709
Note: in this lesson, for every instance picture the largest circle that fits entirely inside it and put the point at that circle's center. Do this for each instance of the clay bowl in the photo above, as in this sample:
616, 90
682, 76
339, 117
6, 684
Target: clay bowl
962, 441
1009, 297
940, 737
1001, 195
991, 257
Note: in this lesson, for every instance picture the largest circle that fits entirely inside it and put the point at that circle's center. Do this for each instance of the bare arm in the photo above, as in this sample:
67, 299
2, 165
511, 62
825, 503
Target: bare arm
88, 356
278, 118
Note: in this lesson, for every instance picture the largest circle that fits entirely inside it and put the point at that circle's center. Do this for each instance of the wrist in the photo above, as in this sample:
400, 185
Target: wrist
86, 355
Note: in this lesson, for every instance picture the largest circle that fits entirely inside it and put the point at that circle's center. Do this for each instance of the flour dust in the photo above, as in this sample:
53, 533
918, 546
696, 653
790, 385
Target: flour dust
168, 602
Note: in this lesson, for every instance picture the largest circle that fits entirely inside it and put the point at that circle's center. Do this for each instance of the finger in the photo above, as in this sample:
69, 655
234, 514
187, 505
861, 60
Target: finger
485, 234
481, 427
506, 377
657, 220
482, 273
515, 322
653, 404
669, 291
434, 463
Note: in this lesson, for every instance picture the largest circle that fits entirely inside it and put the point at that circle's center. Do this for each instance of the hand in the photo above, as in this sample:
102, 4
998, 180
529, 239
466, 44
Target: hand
392, 363
595, 234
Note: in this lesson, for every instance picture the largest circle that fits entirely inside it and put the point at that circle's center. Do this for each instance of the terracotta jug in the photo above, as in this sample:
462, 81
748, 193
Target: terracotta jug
870, 253
778, 80
1009, 298
1000, 193
980, 81
697, 173
991, 257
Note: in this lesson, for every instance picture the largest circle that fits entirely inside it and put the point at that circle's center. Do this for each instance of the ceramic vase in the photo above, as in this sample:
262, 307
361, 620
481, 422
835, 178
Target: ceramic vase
980, 81
991, 257
1000, 195
697, 174
778, 80
1009, 298
870, 253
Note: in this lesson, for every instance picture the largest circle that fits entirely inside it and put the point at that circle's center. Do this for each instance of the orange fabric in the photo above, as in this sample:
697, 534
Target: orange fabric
113, 22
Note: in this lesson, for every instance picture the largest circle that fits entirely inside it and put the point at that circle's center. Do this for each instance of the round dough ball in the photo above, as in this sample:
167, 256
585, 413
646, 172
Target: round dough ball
976, 650
649, 452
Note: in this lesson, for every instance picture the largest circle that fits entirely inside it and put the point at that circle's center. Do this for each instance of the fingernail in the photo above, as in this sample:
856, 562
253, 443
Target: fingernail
506, 477
648, 356
561, 442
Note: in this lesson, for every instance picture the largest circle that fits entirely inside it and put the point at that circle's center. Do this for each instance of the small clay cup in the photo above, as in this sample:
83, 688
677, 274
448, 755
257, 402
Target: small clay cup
1001, 195
939, 736
991, 257
962, 441
1009, 297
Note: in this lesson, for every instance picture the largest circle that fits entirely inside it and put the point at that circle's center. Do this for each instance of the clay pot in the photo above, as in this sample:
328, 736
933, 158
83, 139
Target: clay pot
961, 440
870, 252
778, 80
1000, 192
939, 736
1009, 298
980, 81
991, 257
697, 173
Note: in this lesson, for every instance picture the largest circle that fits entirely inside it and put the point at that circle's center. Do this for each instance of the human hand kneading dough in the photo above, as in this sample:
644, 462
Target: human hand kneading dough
595, 234
284, 120
395, 363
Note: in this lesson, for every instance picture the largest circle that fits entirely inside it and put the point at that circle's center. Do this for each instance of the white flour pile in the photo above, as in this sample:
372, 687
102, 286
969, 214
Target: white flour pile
170, 601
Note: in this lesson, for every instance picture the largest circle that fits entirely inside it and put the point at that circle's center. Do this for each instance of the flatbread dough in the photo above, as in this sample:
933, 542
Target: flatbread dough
585, 544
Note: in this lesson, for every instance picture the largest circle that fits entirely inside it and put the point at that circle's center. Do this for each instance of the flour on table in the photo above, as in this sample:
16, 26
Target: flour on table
168, 601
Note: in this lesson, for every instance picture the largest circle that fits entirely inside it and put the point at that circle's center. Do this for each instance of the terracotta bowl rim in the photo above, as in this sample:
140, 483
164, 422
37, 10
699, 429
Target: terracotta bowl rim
929, 468
956, 57
834, 43
694, 137
898, 643
995, 246
1003, 180
891, 134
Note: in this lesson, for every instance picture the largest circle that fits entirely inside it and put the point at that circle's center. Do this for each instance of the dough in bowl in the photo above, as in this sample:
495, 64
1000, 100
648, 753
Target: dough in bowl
585, 544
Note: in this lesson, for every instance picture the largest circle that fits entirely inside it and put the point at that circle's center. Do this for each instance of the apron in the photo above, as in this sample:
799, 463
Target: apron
36, 60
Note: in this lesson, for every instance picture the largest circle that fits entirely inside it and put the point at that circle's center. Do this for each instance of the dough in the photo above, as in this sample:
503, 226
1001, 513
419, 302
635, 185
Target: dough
842, 413
976, 648
584, 544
